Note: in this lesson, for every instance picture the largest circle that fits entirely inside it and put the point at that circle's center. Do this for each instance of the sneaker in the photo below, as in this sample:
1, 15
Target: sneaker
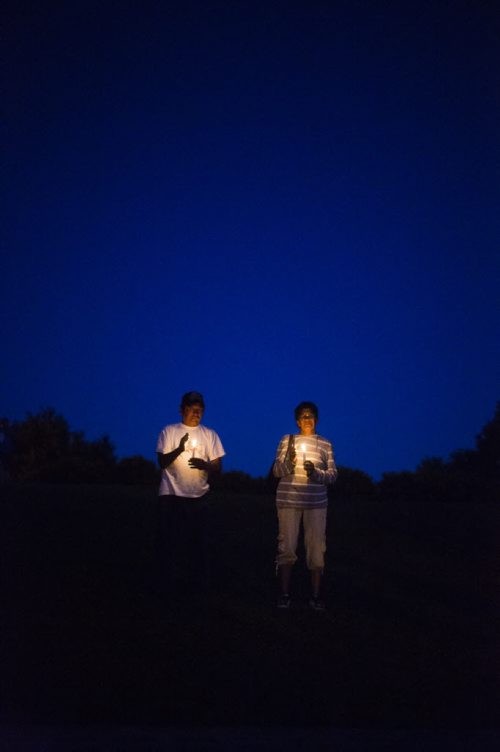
284, 601
317, 604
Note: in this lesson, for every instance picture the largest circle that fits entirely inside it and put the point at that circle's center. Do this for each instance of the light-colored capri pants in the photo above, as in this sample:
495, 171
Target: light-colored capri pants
314, 536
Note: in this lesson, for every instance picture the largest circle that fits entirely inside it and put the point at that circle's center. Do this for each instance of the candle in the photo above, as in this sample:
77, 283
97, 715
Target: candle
303, 448
193, 446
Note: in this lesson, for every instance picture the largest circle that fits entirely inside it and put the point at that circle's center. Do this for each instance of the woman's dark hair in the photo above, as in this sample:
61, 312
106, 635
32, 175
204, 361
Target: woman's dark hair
306, 406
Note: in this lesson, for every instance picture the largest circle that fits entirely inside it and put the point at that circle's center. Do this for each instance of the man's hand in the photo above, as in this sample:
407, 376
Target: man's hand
212, 468
182, 443
309, 468
198, 464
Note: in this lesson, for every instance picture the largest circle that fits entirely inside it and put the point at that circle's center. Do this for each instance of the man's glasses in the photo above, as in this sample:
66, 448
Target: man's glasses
306, 417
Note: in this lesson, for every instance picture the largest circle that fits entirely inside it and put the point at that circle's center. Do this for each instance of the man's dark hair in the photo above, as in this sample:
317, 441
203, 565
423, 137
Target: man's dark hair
192, 398
306, 406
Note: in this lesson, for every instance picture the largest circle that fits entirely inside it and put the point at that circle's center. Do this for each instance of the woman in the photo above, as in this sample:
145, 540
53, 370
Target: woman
305, 466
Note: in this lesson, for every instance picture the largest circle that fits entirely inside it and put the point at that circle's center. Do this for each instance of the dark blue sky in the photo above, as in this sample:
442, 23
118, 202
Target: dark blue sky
267, 202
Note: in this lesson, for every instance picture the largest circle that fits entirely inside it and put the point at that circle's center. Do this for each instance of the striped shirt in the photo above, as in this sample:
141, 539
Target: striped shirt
295, 489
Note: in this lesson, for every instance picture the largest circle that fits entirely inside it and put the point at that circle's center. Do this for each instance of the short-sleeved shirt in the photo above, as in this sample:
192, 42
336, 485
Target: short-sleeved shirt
178, 479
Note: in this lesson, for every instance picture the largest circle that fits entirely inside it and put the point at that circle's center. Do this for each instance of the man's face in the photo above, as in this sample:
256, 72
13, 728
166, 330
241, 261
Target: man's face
192, 414
306, 422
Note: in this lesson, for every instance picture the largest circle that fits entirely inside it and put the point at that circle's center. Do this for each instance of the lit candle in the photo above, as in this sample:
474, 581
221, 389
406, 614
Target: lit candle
303, 447
193, 445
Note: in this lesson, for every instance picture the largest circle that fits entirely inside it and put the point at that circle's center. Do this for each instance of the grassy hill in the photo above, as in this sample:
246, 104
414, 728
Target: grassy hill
410, 638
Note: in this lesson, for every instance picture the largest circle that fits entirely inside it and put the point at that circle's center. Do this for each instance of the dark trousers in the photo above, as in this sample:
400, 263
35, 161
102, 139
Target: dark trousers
183, 546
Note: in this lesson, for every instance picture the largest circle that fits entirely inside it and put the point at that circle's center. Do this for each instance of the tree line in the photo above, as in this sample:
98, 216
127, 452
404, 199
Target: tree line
43, 448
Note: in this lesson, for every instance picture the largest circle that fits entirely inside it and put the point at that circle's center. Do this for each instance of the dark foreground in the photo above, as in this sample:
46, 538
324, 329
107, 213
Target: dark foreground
93, 658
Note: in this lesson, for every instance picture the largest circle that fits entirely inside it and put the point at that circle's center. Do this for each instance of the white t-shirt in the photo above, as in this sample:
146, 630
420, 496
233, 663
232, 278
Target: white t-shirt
178, 479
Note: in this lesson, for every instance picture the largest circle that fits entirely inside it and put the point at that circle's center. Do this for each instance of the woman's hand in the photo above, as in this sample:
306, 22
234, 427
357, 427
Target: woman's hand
309, 468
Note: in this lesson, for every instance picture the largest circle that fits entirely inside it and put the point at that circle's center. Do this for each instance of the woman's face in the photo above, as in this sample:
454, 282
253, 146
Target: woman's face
306, 423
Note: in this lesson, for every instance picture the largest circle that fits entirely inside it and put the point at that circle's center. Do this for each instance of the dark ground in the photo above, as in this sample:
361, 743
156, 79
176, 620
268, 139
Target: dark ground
408, 649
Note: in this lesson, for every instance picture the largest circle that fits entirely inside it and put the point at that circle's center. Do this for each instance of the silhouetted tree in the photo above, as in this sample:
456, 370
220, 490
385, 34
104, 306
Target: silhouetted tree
45, 449
475, 473
469, 475
398, 485
466, 479
38, 444
137, 470
236, 481
488, 446
5, 449
351, 484
432, 479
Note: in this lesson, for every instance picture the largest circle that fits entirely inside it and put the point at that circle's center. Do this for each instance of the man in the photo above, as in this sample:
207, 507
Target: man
189, 455
305, 466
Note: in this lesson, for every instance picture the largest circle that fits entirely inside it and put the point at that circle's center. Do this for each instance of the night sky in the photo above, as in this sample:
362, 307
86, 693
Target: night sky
267, 202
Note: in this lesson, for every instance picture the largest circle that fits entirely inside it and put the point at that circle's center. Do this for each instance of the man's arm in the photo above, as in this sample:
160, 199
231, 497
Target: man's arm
214, 467
164, 460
